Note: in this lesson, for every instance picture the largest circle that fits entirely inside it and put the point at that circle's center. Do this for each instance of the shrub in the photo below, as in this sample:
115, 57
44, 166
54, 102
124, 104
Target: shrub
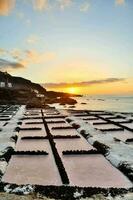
8, 152
101, 147
126, 169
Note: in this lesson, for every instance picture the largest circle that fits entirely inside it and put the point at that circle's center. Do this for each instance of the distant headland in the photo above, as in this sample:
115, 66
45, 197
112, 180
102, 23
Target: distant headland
18, 90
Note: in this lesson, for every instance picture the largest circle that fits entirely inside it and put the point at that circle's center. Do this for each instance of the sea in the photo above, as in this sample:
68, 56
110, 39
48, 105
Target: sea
107, 103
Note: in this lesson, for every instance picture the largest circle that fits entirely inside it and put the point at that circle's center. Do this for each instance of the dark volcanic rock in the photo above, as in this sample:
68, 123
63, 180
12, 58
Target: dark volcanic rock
66, 100
19, 83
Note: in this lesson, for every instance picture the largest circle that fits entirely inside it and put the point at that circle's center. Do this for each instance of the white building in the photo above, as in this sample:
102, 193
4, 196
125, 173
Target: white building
10, 85
2, 84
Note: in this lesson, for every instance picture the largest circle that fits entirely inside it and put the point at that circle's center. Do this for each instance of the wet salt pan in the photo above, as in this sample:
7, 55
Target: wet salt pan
94, 171
33, 145
40, 170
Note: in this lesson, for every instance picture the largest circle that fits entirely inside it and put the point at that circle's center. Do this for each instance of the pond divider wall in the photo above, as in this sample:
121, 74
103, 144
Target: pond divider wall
62, 127
60, 166
115, 123
30, 153
34, 137
81, 152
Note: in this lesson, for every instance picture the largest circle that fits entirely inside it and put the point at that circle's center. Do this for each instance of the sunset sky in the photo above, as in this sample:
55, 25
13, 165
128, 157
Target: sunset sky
77, 46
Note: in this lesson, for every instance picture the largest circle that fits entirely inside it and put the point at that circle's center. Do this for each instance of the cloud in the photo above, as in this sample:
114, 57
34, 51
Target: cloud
40, 4
83, 84
2, 51
119, 2
35, 57
6, 6
25, 57
64, 3
85, 6
7, 65
15, 53
33, 39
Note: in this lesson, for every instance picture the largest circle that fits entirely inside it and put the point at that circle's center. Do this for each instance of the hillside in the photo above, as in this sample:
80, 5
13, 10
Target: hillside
20, 83
23, 91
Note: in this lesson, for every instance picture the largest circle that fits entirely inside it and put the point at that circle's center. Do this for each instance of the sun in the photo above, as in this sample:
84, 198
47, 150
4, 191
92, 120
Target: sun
72, 90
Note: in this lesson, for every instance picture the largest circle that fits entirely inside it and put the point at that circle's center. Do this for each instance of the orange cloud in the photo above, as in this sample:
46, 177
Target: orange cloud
28, 57
6, 6
40, 4
114, 86
35, 57
120, 2
85, 83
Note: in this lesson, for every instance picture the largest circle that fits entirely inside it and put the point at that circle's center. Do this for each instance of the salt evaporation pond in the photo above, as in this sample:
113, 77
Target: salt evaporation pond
93, 171
105, 126
33, 126
33, 115
129, 125
64, 132
55, 120
33, 145
50, 125
94, 121
72, 144
24, 133
118, 120
121, 135
40, 170
33, 120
